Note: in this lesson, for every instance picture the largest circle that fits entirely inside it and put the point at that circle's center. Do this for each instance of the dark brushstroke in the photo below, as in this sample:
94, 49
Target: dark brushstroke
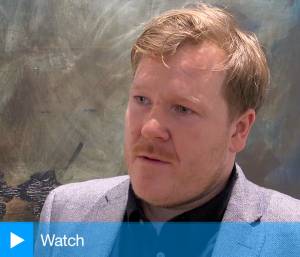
89, 110
74, 155
35, 191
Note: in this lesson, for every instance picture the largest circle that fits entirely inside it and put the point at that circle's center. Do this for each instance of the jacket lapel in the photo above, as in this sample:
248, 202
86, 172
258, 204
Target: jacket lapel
109, 212
241, 233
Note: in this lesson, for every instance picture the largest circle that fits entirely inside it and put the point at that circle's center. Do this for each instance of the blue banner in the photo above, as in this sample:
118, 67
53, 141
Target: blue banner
115, 239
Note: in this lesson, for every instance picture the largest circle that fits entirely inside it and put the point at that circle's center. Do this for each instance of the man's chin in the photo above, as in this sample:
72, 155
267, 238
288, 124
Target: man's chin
160, 201
156, 190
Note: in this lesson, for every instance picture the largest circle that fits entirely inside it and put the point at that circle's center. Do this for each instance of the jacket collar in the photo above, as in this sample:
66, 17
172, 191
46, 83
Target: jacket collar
240, 233
246, 201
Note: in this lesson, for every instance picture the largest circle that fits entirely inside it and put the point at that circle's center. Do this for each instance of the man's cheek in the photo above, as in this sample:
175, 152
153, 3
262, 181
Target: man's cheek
196, 158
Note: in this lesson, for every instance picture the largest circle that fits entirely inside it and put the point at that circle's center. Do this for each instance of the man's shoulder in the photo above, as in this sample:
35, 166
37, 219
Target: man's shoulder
88, 189
82, 201
250, 202
276, 206
282, 207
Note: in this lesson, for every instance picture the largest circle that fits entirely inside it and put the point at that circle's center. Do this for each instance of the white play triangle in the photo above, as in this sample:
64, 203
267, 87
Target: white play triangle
15, 240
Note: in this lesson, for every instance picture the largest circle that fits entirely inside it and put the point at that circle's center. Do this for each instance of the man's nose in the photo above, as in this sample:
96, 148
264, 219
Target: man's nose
153, 129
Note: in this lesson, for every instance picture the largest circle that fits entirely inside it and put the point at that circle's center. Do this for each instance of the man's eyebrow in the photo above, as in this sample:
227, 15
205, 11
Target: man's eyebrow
199, 102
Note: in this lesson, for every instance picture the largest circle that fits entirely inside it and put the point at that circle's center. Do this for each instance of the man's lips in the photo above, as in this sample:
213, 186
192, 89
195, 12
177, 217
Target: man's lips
153, 159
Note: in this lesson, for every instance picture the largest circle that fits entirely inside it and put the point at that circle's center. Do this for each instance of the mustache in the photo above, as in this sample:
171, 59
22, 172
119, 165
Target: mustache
143, 147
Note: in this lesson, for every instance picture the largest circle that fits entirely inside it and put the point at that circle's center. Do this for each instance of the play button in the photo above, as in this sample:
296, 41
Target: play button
15, 240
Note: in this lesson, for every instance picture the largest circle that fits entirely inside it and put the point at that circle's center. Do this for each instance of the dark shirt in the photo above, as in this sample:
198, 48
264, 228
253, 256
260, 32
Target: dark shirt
183, 235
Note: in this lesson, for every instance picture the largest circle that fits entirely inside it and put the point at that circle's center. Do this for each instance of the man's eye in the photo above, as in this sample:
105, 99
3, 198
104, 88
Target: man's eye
142, 100
182, 109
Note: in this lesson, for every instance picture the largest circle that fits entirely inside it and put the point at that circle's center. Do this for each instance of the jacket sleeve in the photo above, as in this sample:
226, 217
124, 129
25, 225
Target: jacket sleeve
44, 227
46, 214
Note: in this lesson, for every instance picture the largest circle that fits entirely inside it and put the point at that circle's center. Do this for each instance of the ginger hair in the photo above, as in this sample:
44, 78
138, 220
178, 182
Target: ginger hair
247, 72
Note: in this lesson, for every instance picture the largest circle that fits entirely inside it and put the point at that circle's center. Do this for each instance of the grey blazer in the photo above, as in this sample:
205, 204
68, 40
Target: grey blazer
249, 205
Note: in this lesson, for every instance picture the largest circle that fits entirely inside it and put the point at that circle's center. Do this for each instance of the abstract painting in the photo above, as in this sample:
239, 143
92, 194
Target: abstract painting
65, 72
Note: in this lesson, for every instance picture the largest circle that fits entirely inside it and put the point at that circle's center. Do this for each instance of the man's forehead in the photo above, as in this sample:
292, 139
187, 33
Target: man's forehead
189, 59
205, 56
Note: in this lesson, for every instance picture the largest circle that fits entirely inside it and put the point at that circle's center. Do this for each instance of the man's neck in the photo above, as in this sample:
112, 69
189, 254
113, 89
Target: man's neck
163, 214
160, 214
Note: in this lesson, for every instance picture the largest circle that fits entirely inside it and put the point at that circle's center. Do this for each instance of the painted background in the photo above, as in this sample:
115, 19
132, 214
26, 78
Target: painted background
64, 76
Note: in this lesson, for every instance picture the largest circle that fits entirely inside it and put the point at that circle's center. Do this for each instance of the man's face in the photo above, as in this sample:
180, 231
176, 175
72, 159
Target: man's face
177, 131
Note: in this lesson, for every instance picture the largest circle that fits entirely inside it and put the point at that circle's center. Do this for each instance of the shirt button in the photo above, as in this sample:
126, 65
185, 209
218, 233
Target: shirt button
160, 254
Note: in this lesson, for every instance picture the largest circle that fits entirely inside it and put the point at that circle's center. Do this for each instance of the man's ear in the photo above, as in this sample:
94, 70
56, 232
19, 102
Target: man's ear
240, 129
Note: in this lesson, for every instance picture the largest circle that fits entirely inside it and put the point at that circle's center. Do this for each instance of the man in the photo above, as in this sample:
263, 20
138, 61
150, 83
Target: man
198, 83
